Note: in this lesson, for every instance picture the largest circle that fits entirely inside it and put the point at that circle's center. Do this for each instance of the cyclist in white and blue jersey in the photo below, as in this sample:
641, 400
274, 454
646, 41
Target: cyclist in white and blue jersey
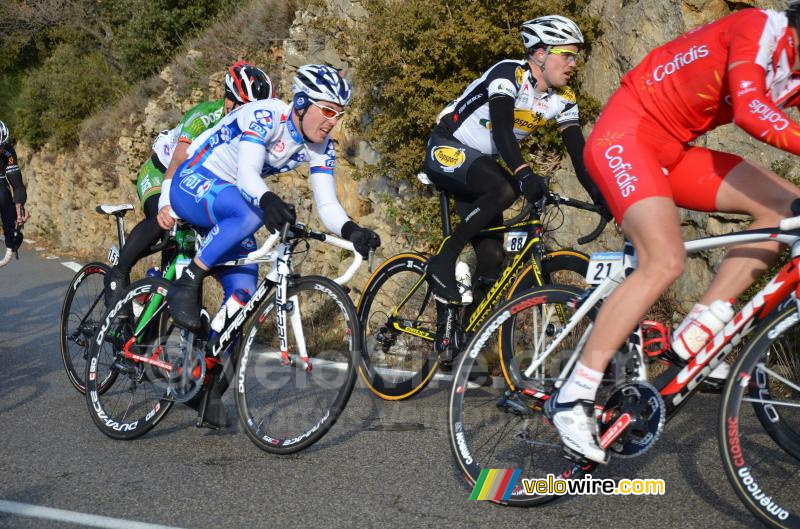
220, 187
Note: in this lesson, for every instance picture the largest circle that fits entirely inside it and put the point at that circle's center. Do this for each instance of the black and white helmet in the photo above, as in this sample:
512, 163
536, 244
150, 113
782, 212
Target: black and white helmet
3, 133
245, 83
321, 82
551, 30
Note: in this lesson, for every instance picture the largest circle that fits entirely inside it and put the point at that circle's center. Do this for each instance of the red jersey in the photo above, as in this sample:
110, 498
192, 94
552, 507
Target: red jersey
738, 69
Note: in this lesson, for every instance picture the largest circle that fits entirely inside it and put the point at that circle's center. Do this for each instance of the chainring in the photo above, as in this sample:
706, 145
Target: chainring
188, 369
642, 402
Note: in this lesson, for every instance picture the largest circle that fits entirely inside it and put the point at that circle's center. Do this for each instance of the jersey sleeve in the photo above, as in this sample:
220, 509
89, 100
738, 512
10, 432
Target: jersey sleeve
755, 112
505, 79
14, 175
569, 114
258, 128
322, 160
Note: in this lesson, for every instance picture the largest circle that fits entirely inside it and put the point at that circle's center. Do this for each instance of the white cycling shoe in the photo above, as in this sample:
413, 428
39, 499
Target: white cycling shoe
7, 258
577, 427
720, 373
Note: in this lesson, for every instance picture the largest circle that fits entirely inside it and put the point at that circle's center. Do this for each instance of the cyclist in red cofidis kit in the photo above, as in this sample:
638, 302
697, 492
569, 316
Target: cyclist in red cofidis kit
741, 69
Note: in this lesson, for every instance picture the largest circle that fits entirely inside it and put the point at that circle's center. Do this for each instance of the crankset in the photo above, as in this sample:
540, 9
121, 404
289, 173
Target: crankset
632, 419
187, 371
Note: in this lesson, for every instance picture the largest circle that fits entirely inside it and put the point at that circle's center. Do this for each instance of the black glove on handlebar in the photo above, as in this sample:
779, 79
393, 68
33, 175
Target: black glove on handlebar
276, 212
533, 186
363, 239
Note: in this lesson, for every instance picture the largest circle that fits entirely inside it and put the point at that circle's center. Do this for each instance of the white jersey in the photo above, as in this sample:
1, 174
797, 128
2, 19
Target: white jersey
165, 144
259, 139
468, 116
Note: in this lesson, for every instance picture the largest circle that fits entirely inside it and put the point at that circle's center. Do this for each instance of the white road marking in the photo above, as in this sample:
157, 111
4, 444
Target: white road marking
72, 265
89, 520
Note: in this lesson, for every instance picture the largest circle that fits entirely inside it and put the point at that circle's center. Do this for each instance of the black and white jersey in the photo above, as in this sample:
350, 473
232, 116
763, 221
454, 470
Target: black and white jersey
467, 118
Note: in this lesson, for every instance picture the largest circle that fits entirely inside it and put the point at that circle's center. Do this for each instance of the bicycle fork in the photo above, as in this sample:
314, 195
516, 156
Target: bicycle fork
292, 307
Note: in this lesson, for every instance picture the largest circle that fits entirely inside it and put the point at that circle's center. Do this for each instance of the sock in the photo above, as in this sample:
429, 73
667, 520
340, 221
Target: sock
582, 384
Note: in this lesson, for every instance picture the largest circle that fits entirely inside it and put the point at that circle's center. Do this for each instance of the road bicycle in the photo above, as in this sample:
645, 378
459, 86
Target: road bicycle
495, 407
83, 305
295, 344
399, 316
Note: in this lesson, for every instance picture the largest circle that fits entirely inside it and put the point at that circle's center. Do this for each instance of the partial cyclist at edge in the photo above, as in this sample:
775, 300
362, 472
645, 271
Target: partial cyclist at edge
12, 196
220, 187
743, 69
497, 111
243, 83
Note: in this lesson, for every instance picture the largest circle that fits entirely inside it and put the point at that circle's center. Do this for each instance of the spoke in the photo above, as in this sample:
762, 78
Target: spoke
767, 370
773, 402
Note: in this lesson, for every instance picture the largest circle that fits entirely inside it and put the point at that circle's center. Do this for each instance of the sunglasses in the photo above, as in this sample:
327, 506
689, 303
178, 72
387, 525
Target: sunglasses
569, 54
327, 112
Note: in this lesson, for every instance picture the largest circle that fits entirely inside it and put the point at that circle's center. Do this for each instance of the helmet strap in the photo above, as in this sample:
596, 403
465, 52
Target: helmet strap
540, 65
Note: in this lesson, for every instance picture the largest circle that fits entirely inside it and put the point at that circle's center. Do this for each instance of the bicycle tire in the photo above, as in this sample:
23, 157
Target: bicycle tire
274, 416
81, 313
751, 458
396, 364
561, 264
491, 424
137, 400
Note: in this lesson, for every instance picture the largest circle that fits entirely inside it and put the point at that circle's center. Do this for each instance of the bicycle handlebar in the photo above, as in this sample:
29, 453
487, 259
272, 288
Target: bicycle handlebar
554, 198
300, 231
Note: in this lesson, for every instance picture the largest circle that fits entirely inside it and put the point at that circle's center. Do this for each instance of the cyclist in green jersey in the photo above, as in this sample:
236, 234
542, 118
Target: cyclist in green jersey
243, 83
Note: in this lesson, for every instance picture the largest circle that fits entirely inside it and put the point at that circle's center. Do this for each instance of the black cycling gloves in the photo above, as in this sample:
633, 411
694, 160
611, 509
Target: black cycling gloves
276, 212
533, 186
363, 239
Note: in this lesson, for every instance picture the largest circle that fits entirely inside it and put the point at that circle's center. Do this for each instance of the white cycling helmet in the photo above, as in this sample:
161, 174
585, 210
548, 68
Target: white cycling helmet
3, 133
551, 30
321, 82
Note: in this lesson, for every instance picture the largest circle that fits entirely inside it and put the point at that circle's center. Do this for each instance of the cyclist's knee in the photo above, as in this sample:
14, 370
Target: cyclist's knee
665, 266
489, 253
150, 206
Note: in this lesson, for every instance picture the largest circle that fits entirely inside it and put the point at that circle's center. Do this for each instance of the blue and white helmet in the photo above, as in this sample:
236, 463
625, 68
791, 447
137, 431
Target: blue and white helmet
321, 82
3, 133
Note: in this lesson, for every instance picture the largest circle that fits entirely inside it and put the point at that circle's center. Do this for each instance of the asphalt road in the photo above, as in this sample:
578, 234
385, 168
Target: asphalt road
382, 465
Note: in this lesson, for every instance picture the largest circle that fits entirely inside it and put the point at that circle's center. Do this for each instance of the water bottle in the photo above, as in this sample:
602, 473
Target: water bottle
696, 331
464, 280
154, 272
238, 299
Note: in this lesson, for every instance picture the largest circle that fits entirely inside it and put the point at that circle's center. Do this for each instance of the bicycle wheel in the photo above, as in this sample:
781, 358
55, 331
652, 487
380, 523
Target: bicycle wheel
133, 332
397, 313
495, 418
759, 443
526, 334
286, 408
81, 314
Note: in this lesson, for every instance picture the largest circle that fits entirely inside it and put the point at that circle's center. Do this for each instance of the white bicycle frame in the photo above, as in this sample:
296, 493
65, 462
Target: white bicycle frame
608, 285
279, 274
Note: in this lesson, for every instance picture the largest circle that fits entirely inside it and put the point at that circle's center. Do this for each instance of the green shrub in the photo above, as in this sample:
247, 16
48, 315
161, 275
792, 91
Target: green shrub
64, 91
413, 56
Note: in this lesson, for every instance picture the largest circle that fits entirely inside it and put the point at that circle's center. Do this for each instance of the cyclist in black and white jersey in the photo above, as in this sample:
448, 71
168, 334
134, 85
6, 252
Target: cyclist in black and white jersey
484, 125
12, 195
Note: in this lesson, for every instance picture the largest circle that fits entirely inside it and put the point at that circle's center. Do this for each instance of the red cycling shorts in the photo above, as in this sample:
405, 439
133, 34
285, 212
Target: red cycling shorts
630, 156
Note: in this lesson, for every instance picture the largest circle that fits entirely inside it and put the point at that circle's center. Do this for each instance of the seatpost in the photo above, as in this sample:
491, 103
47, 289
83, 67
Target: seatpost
120, 230
444, 209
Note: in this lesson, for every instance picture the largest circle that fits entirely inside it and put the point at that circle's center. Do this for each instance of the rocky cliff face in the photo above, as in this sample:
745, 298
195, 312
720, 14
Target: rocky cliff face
65, 187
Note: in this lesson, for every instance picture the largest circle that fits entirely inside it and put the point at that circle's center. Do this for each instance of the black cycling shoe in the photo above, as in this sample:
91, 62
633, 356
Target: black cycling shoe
443, 277
115, 282
184, 304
